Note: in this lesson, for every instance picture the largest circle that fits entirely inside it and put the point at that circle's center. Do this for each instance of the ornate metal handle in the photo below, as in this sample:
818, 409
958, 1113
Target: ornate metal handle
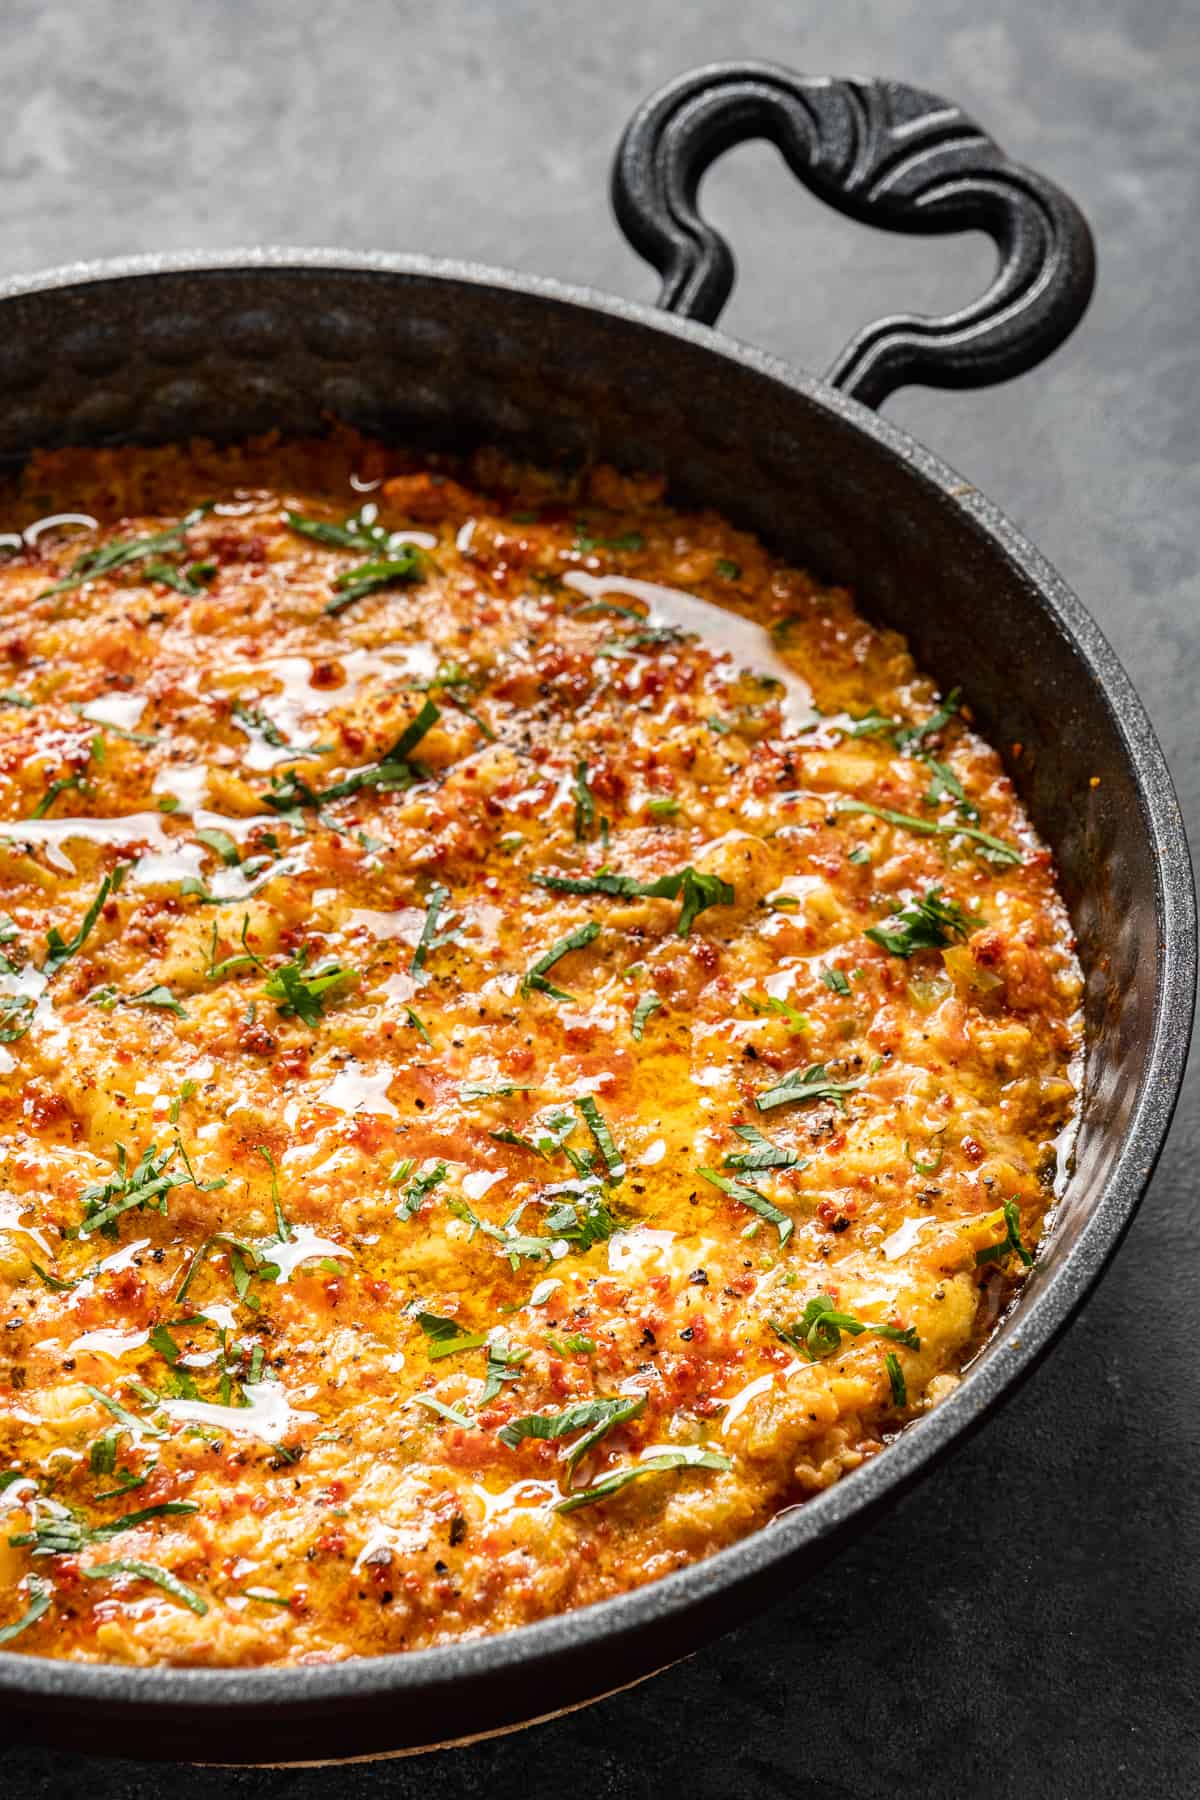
888, 155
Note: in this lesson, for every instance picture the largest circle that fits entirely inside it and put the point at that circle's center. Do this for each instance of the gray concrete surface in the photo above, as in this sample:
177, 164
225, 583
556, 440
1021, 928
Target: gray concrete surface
1026, 1624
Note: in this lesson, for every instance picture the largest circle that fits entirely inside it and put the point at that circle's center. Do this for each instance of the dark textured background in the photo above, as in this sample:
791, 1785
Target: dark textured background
1027, 1623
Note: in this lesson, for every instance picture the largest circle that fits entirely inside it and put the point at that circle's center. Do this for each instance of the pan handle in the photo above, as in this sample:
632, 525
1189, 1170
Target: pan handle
881, 152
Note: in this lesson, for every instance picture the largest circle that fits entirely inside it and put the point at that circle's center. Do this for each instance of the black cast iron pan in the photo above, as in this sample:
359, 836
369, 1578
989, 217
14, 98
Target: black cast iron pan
163, 348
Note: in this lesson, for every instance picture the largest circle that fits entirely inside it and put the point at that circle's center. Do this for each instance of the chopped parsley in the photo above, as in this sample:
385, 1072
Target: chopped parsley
595, 1418
145, 1571
40, 1593
698, 890
109, 559
16, 1016
748, 1196
534, 977
392, 558
646, 1006
687, 1457
819, 1330
805, 1084
927, 924
393, 771
147, 1184
221, 843
727, 570
896, 1381
597, 1124
418, 1190
157, 996
431, 938
585, 803
762, 1154
367, 578
307, 995
503, 1364
1011, 1242
797, 1021
993, 849
445, 1337
836, 982
59, 949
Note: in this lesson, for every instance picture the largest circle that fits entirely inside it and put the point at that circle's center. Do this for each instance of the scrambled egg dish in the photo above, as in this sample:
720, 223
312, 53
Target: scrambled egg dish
531, 1039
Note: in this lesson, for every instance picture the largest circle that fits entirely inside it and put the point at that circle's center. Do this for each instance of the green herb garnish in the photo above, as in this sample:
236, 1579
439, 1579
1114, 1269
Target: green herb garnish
1011, 1242
762, 1154
597, 1124
748, 1196
836, 982
585, 802
648, 1004
60, 950
407, 565
144, 1571
445, 1337
595, 1418
147, 1184
65, 1535
819, 1330
503, 1364
927, 924
307, 995
392, 557
40, 1593
418, 1190
16, 1016
222, 843
157, 996
808, 1084
498, 1090
108, 559
698, 890
797, 1021
993, 849
690, 1457
895, 1375
430, 938
393, 771
122, 1415
65, 784
534, 977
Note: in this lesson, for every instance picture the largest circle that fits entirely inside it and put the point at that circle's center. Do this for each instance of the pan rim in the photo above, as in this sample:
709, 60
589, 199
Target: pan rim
289, 1688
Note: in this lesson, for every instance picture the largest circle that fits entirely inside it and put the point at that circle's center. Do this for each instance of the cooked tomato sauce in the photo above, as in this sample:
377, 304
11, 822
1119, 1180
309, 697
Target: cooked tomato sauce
532, 1039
